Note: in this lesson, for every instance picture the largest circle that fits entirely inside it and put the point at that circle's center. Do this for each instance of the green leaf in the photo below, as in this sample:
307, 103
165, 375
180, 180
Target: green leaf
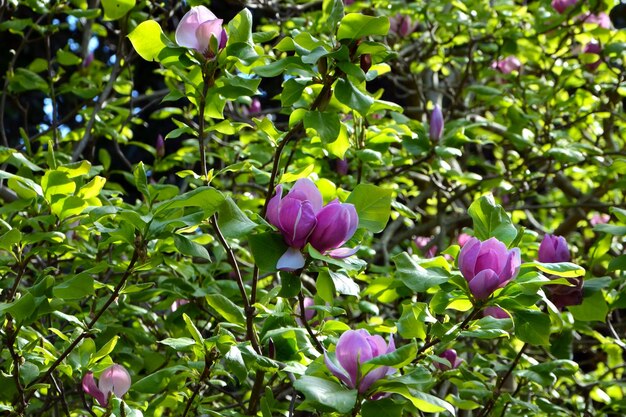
341, 283
349, 95
326, 124
412, 322
560, 269
208, 198
267, 248
332, 13
240, 28
179, 343
290, 285
226, 308
148, 40
232, 221
373, 205
193, 330
378, 408
57, 183
490, 220
115, 9
106, 349
593, 308
76, 287
416, 277
10, 238
422, 401
292, 91
141, 180
190, 248
327, 393
532, 326
357, 26
398, 358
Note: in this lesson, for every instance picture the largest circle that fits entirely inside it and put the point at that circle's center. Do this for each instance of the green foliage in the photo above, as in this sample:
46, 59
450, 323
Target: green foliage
156, 253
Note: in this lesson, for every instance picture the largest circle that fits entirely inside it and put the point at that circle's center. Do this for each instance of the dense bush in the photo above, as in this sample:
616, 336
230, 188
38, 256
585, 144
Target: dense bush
375, 208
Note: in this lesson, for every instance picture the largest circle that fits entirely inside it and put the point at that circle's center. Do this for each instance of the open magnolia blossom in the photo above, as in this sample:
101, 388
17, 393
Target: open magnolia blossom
451, 356
196, 29
507, 65
302, 219
114, 379
488, 265
353, 349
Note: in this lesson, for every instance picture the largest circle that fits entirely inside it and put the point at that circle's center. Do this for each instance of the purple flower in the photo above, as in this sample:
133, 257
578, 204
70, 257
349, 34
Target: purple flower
463, 239
196, 29
401, 25
309, 312
436, 124
450, 356
336, 224
599, 218
488, 265
565, 295
593, 47
562, 5
507, 65
496, 312
88, 60
601, 19
553, 249
422, 243
353, 349
160, 146
301, 219
115, 379
255, 106
341, 166
178, 304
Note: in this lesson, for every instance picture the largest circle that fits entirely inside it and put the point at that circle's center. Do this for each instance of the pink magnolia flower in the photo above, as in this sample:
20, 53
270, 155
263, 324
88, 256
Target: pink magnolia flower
553, 249
422, 243
353, 349
436, 124
488, 265
451, 356
599, 218
593, 47
401, 25
496, 312
507, 65
196, 29
114, 380
601, 19
562, 5
301, 219
463, 239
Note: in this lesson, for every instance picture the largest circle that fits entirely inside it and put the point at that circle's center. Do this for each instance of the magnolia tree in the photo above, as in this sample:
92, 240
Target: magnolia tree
287, 208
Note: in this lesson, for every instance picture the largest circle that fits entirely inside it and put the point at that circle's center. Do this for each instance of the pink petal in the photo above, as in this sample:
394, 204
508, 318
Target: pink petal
90, 387
291, 260
306, 190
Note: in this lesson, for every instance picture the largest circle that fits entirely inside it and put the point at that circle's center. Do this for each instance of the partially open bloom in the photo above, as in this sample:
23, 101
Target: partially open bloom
463, 239
488, 265
593, 47
507, 65
401, 25
196, 29
160, 146
353, 349
451, 356
562, 5
553, 249
309, 312
301, 219
601, 19
436, 124
599, 218
496, 312
115, 379
422, 243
